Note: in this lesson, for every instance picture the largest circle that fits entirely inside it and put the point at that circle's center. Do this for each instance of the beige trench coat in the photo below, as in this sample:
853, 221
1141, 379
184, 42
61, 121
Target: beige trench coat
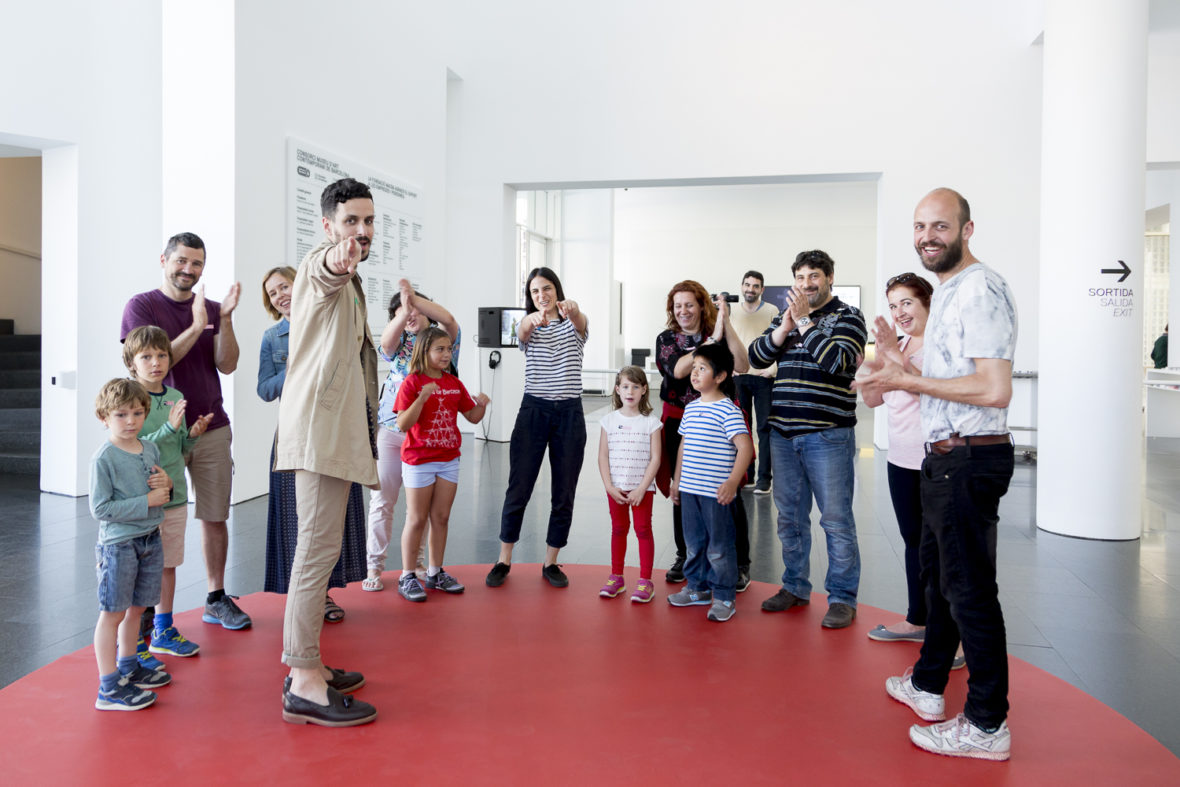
331, 377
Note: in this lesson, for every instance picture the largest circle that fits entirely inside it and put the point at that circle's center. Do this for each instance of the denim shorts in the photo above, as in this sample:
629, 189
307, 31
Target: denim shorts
423, 475
129, 572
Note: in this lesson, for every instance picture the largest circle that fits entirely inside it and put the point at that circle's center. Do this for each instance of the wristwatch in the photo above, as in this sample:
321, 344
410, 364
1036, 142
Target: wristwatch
802, 322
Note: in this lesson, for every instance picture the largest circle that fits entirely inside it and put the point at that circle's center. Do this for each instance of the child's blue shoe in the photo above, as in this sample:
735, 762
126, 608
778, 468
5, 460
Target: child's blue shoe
145, 657
170, 641
125, 696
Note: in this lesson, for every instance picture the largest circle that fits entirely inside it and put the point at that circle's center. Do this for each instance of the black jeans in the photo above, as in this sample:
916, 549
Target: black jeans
961, 494
740, 521
560, 426
905, 488
754, 396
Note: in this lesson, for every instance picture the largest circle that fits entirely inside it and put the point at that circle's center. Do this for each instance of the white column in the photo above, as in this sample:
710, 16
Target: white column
1090, 480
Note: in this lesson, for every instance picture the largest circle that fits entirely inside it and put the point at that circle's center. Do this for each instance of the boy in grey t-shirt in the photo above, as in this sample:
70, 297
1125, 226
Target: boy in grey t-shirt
128, 490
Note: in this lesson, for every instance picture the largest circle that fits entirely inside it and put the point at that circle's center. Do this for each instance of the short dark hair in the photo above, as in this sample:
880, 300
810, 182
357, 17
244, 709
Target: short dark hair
753, 275
719, 357
814, 259
189, 239
340, 192
544, 273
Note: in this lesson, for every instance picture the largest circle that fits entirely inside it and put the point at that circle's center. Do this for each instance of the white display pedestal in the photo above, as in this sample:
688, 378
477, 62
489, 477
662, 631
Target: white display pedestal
505, 386
1163, 402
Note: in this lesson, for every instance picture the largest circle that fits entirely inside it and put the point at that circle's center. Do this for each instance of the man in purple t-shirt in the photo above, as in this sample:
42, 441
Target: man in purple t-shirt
203, 344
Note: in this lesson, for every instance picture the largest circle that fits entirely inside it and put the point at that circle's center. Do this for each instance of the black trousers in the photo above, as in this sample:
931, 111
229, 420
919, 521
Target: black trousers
559, 426
961, 494
905, 488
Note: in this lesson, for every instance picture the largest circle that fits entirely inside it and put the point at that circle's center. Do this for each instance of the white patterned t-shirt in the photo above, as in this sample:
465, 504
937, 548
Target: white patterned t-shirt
972, 315
628, 440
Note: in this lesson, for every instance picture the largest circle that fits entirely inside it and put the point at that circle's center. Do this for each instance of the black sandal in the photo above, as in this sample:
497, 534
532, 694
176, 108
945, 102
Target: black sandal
332, 611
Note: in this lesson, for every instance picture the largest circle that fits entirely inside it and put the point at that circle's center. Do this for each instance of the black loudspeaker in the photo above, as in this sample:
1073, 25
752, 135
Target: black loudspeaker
639, 356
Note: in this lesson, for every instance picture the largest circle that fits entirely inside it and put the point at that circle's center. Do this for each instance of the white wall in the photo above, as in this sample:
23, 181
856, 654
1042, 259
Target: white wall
20, 242
84, 87
746, 89
588, 271
714, 234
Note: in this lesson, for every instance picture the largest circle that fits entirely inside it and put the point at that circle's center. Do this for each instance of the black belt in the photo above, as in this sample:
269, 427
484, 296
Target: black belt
955, 441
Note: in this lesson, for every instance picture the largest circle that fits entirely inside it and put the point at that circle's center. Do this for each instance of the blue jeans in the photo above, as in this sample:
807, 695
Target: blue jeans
709, 535
819, 463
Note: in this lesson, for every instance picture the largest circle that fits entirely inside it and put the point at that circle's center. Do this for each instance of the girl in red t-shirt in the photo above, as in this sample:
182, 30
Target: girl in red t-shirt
428, 402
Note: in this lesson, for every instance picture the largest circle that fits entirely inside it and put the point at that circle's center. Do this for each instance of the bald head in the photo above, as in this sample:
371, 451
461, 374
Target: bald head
942, 227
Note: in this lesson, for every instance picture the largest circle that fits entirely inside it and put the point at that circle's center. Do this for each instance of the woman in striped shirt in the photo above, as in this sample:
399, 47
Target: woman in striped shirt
552, 336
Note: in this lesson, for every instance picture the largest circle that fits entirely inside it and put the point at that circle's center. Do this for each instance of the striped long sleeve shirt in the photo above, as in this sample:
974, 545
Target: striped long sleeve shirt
812, 386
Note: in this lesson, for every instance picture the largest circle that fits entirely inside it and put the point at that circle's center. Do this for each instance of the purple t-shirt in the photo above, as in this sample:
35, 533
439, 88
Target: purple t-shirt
196, 374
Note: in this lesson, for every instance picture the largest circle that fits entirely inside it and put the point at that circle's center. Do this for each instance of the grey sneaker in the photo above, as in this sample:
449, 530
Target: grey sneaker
930, 707
444, 582
960, 738
227, 613
721, 611
410, 588
691, 598
124, 696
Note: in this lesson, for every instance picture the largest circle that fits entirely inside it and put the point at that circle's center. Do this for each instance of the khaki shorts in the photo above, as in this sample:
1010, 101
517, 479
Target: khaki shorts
172, 535
211, 472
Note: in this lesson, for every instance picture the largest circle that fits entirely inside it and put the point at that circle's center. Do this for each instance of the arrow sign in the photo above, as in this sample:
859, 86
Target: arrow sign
1125, 270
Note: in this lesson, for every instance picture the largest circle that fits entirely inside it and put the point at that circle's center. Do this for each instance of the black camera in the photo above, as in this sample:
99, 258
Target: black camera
729, 298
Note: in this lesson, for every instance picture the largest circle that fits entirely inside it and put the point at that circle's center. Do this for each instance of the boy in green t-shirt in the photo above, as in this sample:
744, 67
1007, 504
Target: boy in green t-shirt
147, 353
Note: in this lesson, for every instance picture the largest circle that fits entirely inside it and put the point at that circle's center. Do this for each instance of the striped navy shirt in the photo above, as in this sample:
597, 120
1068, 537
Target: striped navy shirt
553, 361
708, 429
811, 389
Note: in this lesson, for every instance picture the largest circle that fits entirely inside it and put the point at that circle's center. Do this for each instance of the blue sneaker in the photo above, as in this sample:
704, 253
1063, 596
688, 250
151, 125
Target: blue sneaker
171, 642
125, 696
145, 657
143, 678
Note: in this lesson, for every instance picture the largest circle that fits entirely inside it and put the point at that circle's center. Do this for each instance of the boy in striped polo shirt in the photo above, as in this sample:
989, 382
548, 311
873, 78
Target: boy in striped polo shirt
714, 452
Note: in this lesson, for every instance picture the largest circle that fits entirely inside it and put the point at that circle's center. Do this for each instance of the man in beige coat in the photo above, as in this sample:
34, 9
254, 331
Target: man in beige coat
327, 417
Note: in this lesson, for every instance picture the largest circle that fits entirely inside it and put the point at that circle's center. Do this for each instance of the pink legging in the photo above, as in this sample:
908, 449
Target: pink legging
620, 522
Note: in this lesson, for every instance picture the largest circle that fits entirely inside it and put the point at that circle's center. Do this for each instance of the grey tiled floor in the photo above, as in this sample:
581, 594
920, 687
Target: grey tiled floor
1103, 616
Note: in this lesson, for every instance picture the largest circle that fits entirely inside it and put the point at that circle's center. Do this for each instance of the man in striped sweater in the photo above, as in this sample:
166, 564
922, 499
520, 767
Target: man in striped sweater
816, 342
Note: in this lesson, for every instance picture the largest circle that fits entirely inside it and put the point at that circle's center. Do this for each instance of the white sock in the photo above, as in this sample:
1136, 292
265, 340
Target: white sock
433, 570
404, 574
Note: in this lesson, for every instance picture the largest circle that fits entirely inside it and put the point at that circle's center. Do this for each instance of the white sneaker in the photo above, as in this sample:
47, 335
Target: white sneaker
930, 707
960, 738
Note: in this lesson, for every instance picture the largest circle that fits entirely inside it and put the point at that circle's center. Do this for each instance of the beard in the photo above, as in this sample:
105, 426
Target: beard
751, 297
951, 256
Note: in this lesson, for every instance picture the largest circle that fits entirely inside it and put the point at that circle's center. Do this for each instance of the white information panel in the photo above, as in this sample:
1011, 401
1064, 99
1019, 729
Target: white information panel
396, 251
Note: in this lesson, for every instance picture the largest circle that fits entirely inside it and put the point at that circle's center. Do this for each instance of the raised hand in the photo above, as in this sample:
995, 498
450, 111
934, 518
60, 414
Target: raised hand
427, 390
799, 305
482, 400
886, 338
568, 309
231, 300
344, 256
537, 319
176, 414
200, 316
407, 294
198, 429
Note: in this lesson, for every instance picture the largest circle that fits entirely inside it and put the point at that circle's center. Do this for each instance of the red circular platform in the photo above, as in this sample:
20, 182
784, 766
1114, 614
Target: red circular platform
526, 684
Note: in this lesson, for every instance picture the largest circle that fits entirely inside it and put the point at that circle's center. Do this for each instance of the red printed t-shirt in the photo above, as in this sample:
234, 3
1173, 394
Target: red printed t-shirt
434, 438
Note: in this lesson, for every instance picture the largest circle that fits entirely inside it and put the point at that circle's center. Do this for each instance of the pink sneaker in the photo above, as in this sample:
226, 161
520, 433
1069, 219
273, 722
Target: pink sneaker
644, 591
615, 584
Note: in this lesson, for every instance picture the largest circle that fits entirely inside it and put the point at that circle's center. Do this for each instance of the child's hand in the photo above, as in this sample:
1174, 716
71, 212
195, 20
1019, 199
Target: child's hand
407, 293
176, 415
427, 390
200, 426
616, 494
635, 496
482, 400
158, 497
726, 492
675, 490
159, 479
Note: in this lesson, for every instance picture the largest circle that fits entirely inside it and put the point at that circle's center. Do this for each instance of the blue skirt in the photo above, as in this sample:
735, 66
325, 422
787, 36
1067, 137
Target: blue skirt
282, 526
